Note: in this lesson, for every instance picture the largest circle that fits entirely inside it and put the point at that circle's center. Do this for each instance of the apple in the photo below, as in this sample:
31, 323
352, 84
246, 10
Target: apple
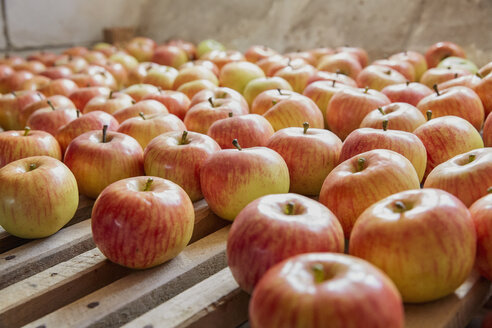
11, 60
483, 90
98, 76
98, 158
33, 66
81, 96
325, 290
466, 176
441, 50
310, 154
457, 101
424, 240
297, 76
251, 130
169, 55
140, 91
178, 156
188, 47
232, 178
361, 55
219, 94
193, 87
339, 78
400, 116
307, 56
439, 75
194, 73
61, 86
445, 137
487, 132
118, 71
317, 53
458, 62
257, 86
15, 145
75, 63
305, 226
346, 190
76, 51
105, 48
14, 82
257, 52
137, 74
409, 92
95, 58
348, 107
147, 107
51, 119
162, 77
481, 212
11, 105
5, 71
141, 48
38, 197
201, 62
57, 72
342, 62
416, 59
35, 83
153, 216
273, 63
470, 81
146, 127
56, 101
109, 104
237, 75
267, 99
223, 57
208, 45
91, 121
125, 59
403, 67
45, 57
176, 102
377, 77
402, 142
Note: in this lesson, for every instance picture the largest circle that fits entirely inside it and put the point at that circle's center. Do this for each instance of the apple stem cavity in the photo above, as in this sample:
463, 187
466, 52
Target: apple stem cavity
133, 102
318, 272
148, 184
235, 143
289, 208
400, 206
26, 131
385, 125
429, 114
436, 89
381, 111
305, 125
274, 102
14, 94
211, 101
408, 83
32, 166
105, 130
479, 75
471, 158
333, 83
366, 89
141, 114
50, 104
184, 136
230, 114
360, 164
489, 190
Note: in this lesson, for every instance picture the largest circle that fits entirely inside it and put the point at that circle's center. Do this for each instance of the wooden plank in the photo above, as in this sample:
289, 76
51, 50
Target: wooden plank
215, 302
62, 284
84, 210
130, 296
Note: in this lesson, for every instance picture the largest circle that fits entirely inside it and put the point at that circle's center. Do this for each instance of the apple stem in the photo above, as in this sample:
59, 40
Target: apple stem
408, 83
141, 114
230, 114
134, 102
50, 104
387, 72
289, 208
148, 184
211, 101
333, 83
436, 89
385, 124
479, 75
471, 158
32, 166
428, 113
274, 102
400, 206
489, 190
78, 113
183, 138
455, 75
360, 164
26, 131
14, 94
110, 94
319, 273
236, 144
366, 89
279, 91
381, 111
105, 130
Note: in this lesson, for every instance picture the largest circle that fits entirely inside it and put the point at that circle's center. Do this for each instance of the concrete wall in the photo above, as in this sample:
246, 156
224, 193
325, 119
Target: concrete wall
380, 26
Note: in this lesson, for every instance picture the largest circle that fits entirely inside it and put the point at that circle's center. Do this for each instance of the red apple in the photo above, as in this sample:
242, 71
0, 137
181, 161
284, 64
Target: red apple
153, 216
98, 76
220, 94
297, 76
342, 62
267, 99
56, 101
199, 62
12, 104
162, 77
35, 83
140, 91
403, 67
377, 77
14, 82
82, 96
329, 76
57, 72
45, 57
128, 61
440, 50
222, 57
176, 102
51, 119
75, 63
193, 87
257, 86
439, 75
109, 104
359, 53
470, 81
400, 116
169, 55
147, 107
416, 59
188, 47
317, 53
424, 240
137, 74
483, 90
194, 73
305, 226
256, 53
487, 132
410, 92
481, 212
178, 156
62, 87
307, 56
33, 66
76, 51
364, 179
141, 48
325, 290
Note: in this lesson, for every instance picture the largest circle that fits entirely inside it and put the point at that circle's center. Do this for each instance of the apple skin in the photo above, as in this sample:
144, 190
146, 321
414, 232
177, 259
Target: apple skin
11, 106
237, 75
51, 119
97, 164
310, 228
146, 106
403, 67
466, 176
251, 130
141, 48
208, 45
188, 47
267, 99
75, 63
109, 104
427, 249
410, 93
257, 52
344, 190
91, 121
487, 132
481, 212
62, 86
190, 89
483, 90
36, 203
139, 228
221, 94
257, 86
194, 73
141, 90
36, 83
416, 59
56, 101
176, 102
456, 101
441, 50
232, 178
342, 62
470, 81
146, 128
166, 156
294, 111
162, 77
200, 62
57, 72
439, 75
81, 96
289, 295
400, 116
169, 55
296, 76
359, 53
445, 137
15, 145
310, 156
377, 77
402, 142
329, 76
138, 73
222, 57
348, 107
459, 62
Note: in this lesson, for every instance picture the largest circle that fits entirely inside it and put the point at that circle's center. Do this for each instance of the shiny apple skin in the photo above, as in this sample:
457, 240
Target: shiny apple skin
109, 104
221, 94
15, 145
445, 137
377, 77
483, 90
162, 77
167, 158
354, 294
57, 101
267, 99
403, 67
400, 116
96, 164
36, 203
344, 63
346, 193
145, 106
428, 250
81, 96
415, 58
237, 75
296, 76
141, 90
481, 212
251, 251
339, 78
62, 87
487, 132
257, 86
140, 229
190, 89
440, 50
466, 180
11, 105
410, 93
404, 143
230, 179
176, 102
49, 120
193, 73
310, 156
439, 75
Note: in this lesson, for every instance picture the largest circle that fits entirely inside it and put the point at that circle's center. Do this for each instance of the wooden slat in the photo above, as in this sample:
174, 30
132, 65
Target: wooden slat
141, 291
84, 210
215, 302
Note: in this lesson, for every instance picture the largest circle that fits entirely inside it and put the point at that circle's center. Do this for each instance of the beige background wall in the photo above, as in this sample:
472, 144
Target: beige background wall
380, 26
